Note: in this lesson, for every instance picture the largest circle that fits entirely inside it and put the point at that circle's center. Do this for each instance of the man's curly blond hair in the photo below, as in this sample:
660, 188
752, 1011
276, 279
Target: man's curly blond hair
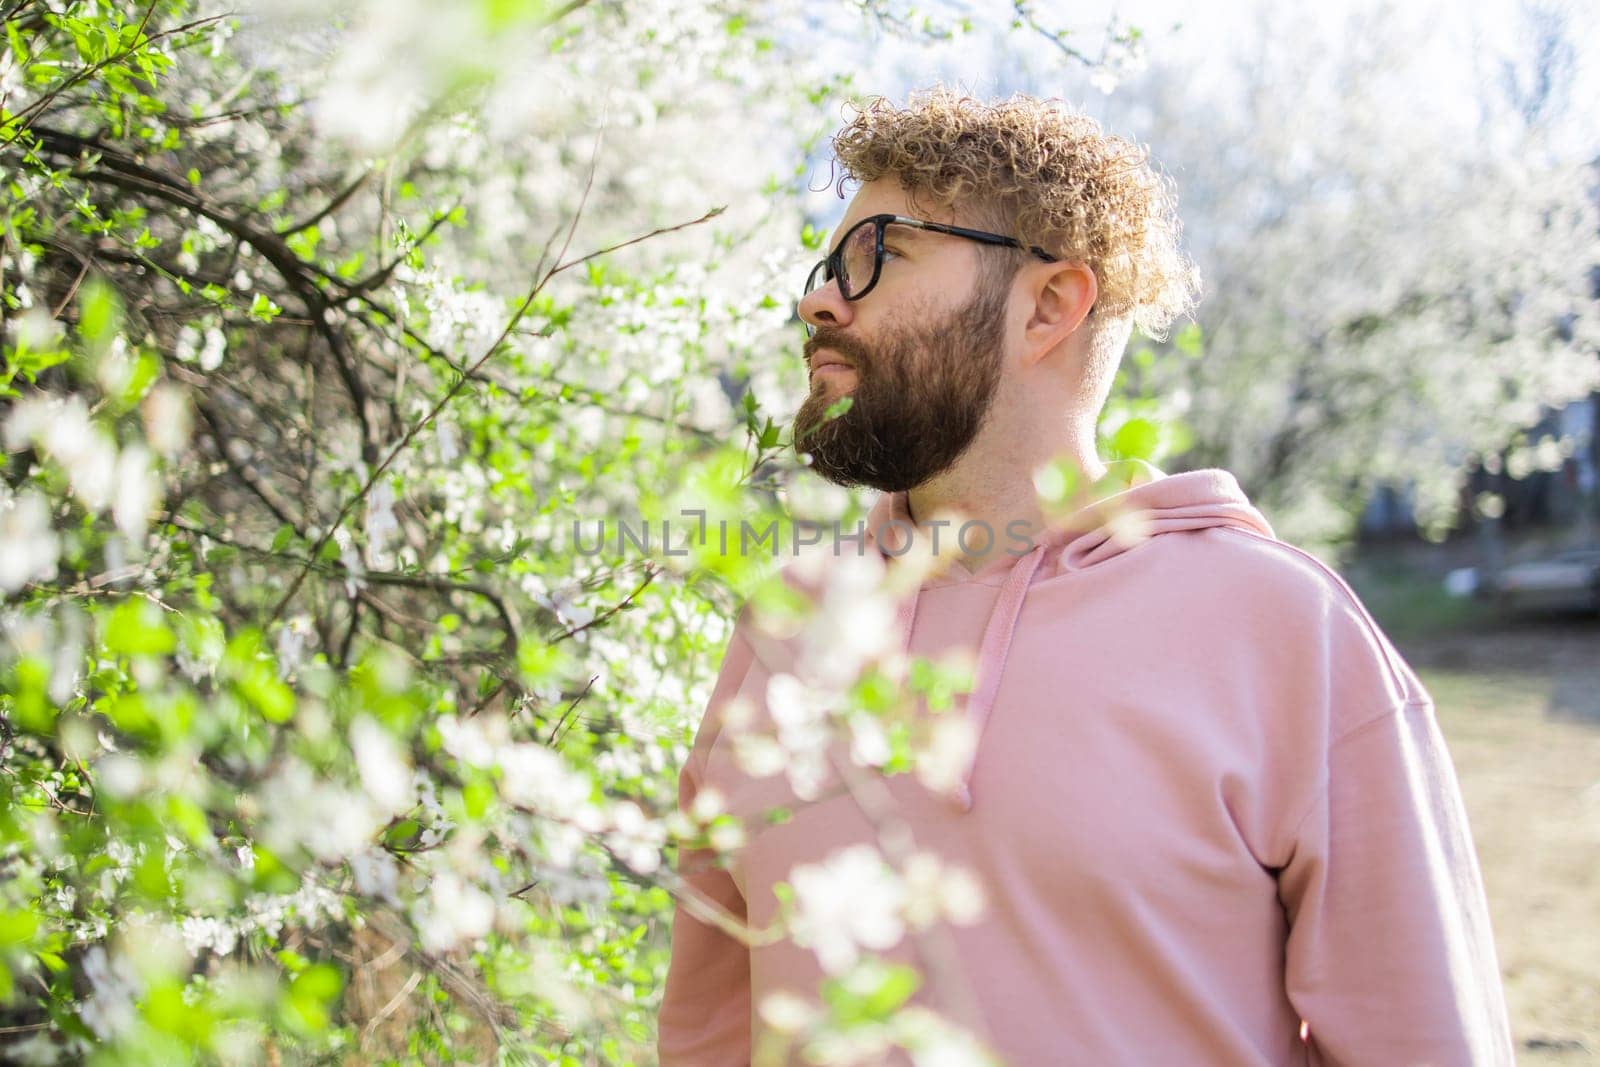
1044, 173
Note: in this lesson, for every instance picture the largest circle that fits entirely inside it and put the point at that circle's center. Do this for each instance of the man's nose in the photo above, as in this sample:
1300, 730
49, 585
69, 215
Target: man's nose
823, 306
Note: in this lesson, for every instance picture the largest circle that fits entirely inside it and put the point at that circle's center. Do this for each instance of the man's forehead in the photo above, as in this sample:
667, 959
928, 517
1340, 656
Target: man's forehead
888, 198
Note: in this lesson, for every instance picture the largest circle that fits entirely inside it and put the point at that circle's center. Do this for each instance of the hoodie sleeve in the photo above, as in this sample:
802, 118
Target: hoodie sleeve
1390, 957
705, 1009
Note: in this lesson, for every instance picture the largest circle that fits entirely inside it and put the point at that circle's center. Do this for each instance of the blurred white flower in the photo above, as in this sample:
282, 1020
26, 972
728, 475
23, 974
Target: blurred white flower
64, 431
303, 810
37, 329
534, 777
708, 804
186, 347
852, 624
38, 1049
935, 891
29, 547
453, 911
635, 837
787, 1013
759, 755
466, 740
355, 580
211, 353
800, 714
307, 907
116, 367
934, 1042
385, 772
376, 874
136, 493
448, 441
114, 984
869, 742
942, 764
292, 638
850, 901
166, 418
381, 523
119, 775
205, 932
727, 835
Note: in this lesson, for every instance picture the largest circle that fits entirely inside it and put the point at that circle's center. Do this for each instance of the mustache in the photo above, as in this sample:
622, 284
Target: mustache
835, 338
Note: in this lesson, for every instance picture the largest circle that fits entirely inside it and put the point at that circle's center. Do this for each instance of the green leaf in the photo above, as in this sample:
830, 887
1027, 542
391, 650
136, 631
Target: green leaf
1136, 439
310, 995
1190, 341
262, 309
261, 687
30, 680
99, 315
17, 928
538, 661
870, 993
138, 628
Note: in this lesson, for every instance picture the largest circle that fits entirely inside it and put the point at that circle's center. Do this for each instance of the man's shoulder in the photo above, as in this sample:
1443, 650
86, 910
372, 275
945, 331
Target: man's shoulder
1295, 610
1246, 564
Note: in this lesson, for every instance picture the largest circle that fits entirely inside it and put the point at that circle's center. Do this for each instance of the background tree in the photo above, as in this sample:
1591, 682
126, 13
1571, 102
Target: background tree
1391, 288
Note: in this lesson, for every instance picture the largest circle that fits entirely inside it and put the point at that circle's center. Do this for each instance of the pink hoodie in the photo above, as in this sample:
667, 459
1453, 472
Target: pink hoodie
1210, 802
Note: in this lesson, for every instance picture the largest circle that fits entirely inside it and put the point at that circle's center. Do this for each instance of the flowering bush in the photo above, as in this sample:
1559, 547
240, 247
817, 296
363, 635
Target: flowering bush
327, 731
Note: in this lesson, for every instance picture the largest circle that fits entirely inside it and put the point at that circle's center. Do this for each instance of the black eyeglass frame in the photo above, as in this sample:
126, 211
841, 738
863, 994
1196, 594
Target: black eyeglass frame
832, 265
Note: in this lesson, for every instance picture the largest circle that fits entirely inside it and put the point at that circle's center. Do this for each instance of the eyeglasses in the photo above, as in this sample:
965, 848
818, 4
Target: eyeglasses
857, 260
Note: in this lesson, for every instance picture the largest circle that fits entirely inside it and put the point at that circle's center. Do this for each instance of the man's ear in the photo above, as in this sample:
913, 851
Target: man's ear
1062, 295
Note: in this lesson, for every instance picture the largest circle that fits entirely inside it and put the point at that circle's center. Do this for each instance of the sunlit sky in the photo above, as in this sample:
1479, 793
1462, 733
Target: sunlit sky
1459, 42
1457, 51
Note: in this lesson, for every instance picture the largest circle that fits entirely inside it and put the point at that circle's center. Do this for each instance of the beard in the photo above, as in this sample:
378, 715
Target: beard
920, 397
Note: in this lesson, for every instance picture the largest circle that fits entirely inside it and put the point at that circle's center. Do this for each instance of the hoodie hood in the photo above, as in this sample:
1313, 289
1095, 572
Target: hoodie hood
1149, 504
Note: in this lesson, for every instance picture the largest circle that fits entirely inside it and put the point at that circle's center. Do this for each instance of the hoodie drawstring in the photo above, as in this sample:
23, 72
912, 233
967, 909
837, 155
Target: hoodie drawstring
992, 651
992, 658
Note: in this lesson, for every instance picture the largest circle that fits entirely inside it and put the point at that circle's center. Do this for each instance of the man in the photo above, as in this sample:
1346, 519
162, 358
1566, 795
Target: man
1207, 803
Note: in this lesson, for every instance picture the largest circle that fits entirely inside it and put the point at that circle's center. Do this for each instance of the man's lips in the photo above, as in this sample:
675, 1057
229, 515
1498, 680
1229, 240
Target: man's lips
827, 359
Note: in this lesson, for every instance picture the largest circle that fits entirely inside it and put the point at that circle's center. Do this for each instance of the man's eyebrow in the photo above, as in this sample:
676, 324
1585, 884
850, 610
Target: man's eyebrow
903, 232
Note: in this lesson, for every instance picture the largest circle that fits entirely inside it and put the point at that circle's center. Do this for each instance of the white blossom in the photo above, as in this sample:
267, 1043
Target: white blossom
787, 1013
303, 810
935, 891
291, 647
453, 911
376, 874
385, 771
350, 556
212, 351
136, 493
201, 933
29, 548
110, 1009
635, 837
800, 714
65, 432
381, 523
850, 901
943, 762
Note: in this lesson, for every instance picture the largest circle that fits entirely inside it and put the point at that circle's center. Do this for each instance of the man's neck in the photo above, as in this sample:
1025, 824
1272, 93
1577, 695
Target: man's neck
1001, 500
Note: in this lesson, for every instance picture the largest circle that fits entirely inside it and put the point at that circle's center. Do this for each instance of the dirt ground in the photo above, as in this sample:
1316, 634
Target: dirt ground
1519, 705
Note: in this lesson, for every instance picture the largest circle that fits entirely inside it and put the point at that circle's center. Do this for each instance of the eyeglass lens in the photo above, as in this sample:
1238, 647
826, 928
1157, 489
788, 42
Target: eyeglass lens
857, 256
